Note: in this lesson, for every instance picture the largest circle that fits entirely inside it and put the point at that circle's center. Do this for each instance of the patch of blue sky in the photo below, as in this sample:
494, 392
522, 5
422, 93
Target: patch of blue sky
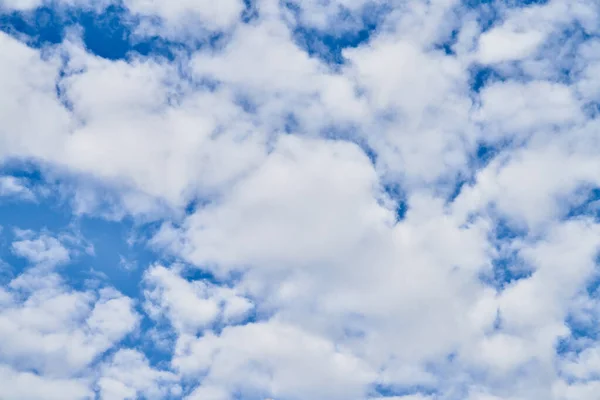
583, 332
116, 261
116, 258
506, 267
584, 203
506, 270
398, 195
562, 48
490, 12
250, 12
350, 30
109, 33
481, 76
157, 349
329, 46
447, 45
350, 133
486, 10
483, 154
591, 109
383, 391
119, 259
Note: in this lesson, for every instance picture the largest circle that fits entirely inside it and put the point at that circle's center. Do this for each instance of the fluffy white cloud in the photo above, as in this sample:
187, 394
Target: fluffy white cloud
505, 44
128, 375
191, 306
317, 290
209, 14
52, 334
19, 385
271, 365
40, 250
58, 331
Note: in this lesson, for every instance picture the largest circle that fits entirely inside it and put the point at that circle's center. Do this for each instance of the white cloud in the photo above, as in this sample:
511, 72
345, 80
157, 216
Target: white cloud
176, 14
297, 229
512, 108
15, 187
58, 331
190, 306
20, 4
51, 335
586, 366
263, 360
18, 385
128, 375
504, 44
523, 31
43, 249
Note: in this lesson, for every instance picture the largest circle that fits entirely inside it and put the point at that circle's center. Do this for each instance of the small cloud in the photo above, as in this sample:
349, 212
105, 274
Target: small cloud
127, 264
13, 187
44, 249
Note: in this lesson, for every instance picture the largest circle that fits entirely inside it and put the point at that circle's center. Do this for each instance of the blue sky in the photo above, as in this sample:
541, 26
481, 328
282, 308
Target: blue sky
286, 200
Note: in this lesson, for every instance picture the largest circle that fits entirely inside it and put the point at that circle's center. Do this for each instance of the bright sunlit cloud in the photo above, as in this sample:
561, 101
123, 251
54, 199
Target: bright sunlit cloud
299, 200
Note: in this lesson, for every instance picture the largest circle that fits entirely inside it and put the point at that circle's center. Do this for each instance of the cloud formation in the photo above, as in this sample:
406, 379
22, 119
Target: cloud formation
414, 218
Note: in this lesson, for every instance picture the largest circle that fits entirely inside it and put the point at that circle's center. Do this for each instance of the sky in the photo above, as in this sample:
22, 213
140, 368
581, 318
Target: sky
299, 200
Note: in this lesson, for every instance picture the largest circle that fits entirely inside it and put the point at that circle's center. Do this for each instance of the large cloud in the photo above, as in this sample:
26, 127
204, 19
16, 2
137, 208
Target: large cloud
417, 222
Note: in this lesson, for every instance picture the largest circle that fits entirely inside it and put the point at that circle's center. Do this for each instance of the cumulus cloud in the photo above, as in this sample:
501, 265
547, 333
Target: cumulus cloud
128, 375
51, 333
417, 221
208, 14
190, 307
41, 250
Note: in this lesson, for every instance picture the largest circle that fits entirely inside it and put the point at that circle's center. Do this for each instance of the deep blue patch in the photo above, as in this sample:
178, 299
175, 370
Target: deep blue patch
508, 267
504, 231
198, 274
107, 34
490, 11
447, 45
487, 12
582, 334
396, 193
250, 12
481, 76
22, 169
484, 153
194, 205
42, 26
506, 271
456, 187
328, 45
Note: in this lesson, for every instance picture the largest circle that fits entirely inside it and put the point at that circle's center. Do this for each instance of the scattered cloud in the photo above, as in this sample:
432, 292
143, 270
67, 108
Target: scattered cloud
417, 220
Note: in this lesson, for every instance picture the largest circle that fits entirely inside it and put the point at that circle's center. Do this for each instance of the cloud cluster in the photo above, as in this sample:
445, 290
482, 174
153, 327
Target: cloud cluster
419, 221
